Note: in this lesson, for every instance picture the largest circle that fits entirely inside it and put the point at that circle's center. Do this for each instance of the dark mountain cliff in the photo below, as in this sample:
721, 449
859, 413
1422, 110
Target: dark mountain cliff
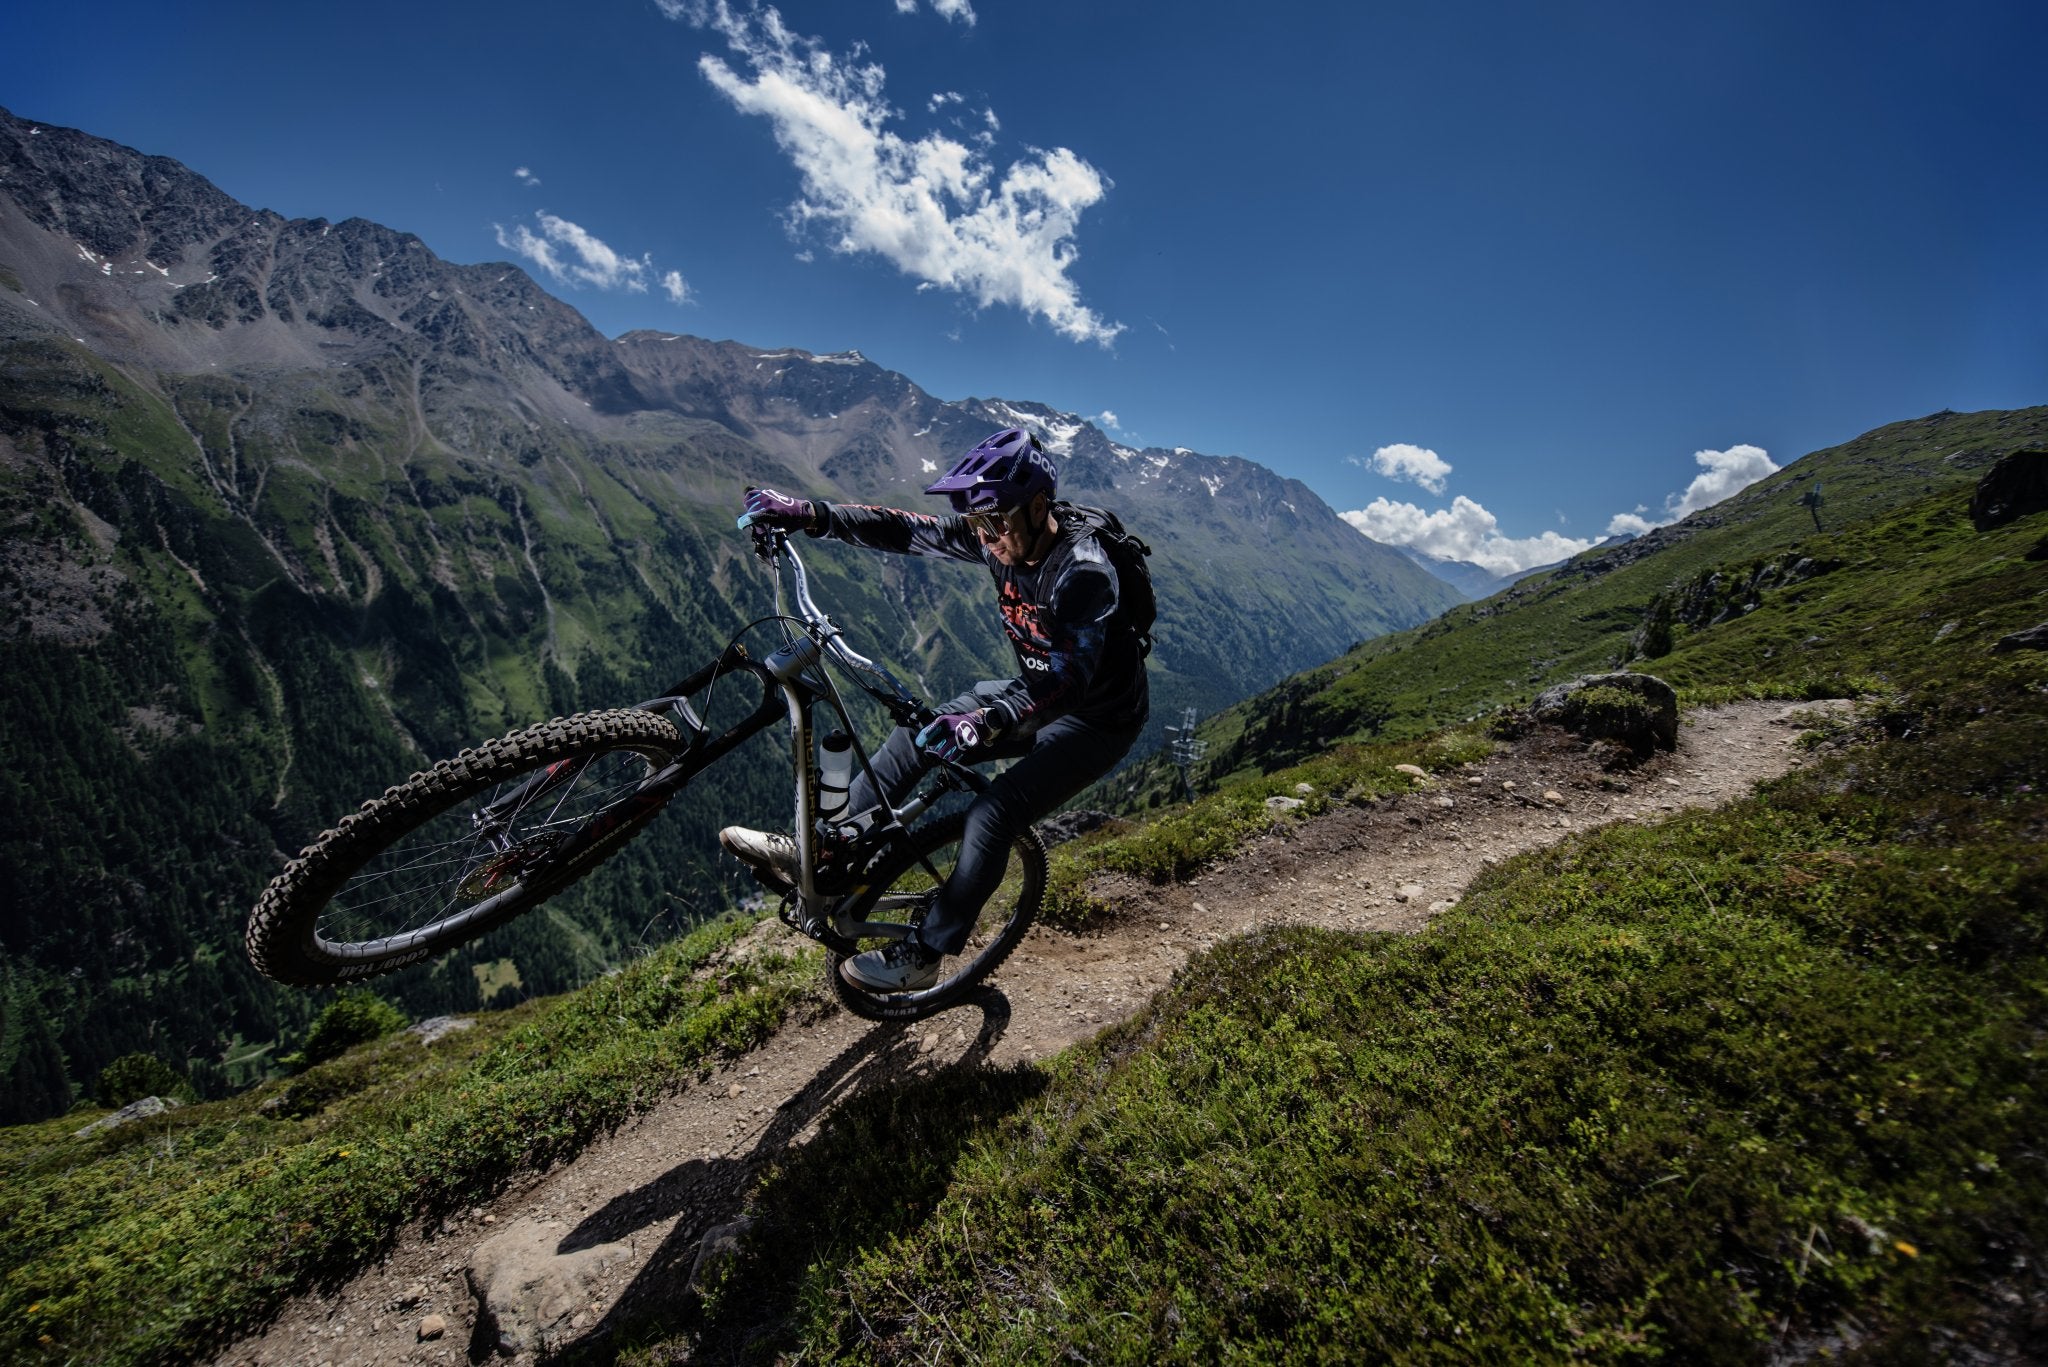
288, 507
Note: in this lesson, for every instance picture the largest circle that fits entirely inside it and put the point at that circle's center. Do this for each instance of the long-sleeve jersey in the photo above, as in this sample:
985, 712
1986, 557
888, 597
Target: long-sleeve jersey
1072, 657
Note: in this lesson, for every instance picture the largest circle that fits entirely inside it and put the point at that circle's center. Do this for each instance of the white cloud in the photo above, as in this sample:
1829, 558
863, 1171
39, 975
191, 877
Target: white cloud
941, 99
1416, 464
961, 10
1463, 531
525, 176
571, 256
677, 288
1723, 473
934, 207
1108, 419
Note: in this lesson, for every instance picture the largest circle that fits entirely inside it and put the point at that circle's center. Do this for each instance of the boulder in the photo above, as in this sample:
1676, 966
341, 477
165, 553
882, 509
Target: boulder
134, 1110
2033, 638
1638, 711
532, 1297
2011, 489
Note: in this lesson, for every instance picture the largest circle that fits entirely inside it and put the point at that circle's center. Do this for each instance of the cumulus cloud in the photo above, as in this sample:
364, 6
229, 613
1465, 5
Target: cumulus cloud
1722, 474
1107, 418
936, 208
525, 176
675, 287
940, 99
1415, 464
572, 256
1463, 531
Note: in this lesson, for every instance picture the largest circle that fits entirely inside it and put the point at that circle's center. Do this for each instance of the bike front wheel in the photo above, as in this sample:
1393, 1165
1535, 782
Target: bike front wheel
902, 892
416, 871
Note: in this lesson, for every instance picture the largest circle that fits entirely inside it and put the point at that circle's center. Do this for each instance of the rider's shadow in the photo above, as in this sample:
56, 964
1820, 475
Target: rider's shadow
708, 1192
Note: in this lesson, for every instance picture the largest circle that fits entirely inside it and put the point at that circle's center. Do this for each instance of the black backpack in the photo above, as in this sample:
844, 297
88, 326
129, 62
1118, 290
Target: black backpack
1136, 606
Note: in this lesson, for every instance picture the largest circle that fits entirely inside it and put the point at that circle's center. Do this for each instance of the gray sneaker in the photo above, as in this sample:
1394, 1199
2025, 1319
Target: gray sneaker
771, 853
898, 967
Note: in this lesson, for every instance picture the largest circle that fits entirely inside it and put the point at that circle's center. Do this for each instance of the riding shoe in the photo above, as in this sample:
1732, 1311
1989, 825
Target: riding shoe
897, 967
771, 853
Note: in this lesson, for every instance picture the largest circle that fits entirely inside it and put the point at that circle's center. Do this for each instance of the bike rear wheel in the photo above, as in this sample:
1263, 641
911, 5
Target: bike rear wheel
902, 892
410, 874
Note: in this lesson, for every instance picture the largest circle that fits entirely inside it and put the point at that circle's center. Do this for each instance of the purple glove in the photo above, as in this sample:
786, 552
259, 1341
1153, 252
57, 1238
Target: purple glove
766, 508
952, 734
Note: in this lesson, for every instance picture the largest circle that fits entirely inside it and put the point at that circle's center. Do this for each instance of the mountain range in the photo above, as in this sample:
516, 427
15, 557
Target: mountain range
290, 507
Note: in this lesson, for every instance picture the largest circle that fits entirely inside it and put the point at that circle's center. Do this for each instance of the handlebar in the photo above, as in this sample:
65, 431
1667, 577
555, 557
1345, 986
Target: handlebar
773, 545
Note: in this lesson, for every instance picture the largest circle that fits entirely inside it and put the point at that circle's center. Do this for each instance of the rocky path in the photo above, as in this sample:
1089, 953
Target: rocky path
563, 1256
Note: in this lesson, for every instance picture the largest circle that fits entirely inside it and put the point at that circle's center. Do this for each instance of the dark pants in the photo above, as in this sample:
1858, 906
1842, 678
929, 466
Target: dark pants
1054, 762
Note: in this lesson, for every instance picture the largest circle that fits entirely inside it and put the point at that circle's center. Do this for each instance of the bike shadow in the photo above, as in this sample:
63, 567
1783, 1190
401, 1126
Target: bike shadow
702, 1194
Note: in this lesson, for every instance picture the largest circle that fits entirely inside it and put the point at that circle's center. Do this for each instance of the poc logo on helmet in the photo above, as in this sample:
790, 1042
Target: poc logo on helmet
1043, 462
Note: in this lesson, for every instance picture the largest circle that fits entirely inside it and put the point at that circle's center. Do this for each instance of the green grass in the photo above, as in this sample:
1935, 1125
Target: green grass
163, 1239
1752, 1081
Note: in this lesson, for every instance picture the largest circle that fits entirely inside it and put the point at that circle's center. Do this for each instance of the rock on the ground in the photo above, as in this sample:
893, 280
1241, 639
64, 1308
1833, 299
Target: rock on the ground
1278, 803
1408, 892
134, 1110
1415, 771
719, 1244
2033, 638
2011, 489
432, 1327
528, 1289
434, 1029
1639, 711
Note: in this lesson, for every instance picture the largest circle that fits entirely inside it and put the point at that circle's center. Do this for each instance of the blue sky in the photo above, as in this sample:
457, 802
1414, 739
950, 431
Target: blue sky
1486, 276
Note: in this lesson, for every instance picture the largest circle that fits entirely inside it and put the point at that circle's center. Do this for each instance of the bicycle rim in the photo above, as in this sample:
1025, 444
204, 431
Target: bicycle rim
903, 895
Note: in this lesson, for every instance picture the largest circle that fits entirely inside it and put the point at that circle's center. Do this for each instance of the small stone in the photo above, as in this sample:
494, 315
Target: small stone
1164, 926
1305, 789
735, 1091
432, 1327
1438, 908
1408, 892
1552, 795
1507, 785
1201, 909
1443, 802
1412, 770
1278, 803
490, 1219
1475, 782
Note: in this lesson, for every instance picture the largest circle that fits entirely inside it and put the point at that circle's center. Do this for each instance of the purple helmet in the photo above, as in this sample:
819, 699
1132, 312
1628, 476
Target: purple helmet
1003, 472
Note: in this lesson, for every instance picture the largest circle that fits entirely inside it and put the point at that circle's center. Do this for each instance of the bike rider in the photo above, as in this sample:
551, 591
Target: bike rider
1071, 713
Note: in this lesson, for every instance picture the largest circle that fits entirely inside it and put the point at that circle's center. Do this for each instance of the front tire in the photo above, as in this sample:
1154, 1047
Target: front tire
902, 890
407, 875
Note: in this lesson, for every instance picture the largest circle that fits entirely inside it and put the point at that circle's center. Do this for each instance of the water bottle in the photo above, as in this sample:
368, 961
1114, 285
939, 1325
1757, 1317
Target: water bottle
835, 773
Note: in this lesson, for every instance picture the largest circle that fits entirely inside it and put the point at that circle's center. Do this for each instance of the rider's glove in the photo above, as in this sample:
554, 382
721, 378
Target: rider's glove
766, 508
952, 734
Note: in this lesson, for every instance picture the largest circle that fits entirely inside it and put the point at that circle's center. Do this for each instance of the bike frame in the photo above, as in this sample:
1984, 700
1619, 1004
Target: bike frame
793, 685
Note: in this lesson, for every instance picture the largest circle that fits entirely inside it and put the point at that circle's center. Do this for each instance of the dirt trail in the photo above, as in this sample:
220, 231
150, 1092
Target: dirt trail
620, 1227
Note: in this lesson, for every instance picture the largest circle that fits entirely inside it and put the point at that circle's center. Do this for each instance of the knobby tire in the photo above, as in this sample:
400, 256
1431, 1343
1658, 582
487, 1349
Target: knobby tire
303, 931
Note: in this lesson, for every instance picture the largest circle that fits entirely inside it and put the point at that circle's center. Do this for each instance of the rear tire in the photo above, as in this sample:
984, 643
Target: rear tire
903, 880
406, 875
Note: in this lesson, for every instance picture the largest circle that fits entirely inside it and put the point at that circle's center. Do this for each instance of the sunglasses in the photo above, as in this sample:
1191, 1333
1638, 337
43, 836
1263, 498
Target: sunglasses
988, 526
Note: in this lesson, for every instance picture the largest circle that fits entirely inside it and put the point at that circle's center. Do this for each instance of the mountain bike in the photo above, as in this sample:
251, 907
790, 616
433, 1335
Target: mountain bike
463, 847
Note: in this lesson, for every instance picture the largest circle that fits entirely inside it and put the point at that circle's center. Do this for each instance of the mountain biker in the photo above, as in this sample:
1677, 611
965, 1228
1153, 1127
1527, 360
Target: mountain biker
1077, 704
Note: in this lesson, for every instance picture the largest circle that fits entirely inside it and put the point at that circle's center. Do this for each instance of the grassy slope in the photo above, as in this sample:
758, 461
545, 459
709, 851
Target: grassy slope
162, 1239
1764, 1080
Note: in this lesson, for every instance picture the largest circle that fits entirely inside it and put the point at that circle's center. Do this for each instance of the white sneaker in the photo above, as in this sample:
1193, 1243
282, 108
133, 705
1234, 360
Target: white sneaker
771, 853
897, 967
